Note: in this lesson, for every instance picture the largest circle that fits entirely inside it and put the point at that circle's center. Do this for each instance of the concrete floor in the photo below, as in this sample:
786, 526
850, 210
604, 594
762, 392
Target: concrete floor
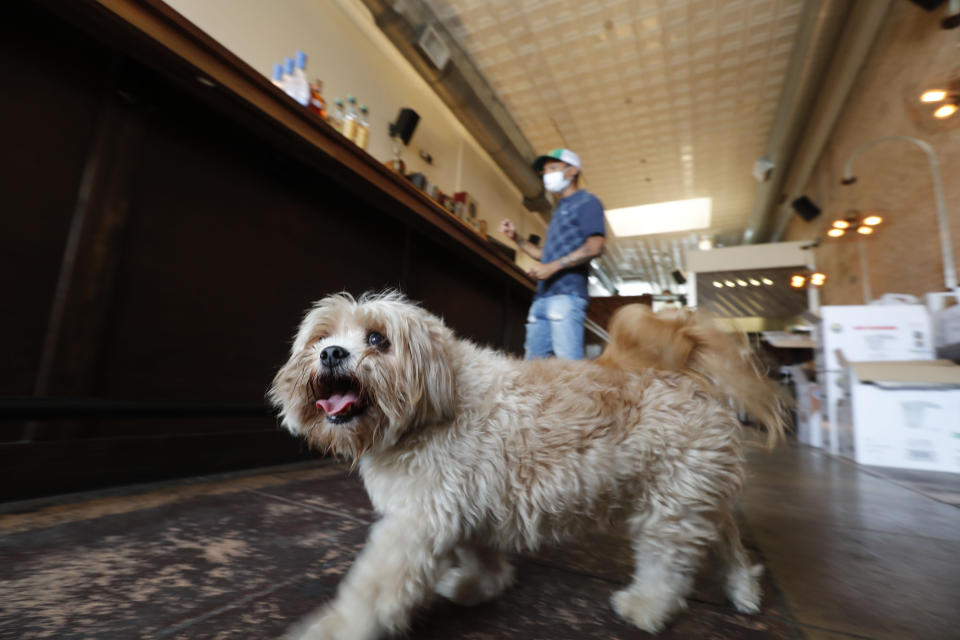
851, 552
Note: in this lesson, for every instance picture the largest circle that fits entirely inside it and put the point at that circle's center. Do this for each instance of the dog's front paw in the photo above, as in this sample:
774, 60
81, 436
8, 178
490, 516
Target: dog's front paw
326, 624
470, 588
743, 589
649, 614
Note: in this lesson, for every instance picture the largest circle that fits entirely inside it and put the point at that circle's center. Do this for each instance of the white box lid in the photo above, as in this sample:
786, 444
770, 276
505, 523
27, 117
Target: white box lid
910, 372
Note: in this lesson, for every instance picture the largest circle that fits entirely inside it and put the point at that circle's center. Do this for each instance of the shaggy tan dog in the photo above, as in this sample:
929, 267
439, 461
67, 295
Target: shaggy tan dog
468, 453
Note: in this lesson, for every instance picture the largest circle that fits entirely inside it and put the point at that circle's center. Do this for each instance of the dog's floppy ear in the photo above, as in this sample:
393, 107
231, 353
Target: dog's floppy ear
432, 387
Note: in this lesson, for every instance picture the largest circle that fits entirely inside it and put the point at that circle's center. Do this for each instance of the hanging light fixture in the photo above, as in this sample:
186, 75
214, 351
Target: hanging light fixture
800, 280
933, 95
864, 224
944, 98
839, 226
945, 111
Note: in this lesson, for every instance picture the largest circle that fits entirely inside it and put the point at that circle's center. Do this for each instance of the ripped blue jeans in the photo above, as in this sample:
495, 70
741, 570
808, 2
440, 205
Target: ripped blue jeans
555, 327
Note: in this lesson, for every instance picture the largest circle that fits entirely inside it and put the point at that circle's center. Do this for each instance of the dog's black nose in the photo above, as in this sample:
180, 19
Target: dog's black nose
333, 356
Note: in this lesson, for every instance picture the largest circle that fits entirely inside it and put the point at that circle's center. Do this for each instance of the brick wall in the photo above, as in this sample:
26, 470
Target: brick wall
911, 54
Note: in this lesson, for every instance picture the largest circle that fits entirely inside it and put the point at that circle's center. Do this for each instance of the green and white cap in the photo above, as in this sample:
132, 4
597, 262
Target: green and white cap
563, 155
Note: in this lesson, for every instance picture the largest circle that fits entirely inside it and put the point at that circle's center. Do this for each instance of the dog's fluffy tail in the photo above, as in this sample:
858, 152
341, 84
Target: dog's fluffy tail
688, 342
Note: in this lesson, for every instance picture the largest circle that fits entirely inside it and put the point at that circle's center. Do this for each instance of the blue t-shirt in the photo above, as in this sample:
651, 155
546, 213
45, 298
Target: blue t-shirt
576, 218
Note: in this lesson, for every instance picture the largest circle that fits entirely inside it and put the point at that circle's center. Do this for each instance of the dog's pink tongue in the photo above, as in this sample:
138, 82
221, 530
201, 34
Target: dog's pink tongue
337, 403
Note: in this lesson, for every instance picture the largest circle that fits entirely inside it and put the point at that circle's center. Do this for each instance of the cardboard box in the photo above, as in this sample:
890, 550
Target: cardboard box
906, 414
948, 326
865, 333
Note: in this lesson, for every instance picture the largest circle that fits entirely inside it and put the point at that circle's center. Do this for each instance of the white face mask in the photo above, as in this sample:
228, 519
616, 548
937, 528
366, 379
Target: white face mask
554, 181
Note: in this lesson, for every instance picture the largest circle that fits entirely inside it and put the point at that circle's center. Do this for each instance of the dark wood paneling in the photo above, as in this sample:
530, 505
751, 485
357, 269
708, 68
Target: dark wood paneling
466, 298
84, 300
49, 105
514, 326
45, 468
230, 243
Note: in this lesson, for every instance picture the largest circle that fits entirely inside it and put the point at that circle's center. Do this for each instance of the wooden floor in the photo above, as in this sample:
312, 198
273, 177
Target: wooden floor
245, 555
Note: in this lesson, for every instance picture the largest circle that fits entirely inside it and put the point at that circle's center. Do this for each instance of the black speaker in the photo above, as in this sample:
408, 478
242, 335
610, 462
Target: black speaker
678, 277
534, 239
806, 208
405, 125
929, 5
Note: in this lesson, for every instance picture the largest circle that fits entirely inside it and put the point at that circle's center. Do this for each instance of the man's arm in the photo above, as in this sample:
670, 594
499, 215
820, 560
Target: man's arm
586, 252
531, 250
507, 229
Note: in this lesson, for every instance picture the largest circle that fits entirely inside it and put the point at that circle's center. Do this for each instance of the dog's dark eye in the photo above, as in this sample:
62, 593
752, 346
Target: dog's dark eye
375, 339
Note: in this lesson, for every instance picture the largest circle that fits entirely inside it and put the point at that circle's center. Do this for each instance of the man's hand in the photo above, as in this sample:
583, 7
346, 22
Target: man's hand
543, 271
507, 229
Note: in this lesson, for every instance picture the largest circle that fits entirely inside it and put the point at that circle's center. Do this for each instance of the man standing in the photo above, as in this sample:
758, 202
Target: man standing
574, 238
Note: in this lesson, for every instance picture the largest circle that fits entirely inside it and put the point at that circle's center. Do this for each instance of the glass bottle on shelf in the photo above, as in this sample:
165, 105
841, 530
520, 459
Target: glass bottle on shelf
300, 90
317, 104
335, 117
350, 119
277, 77
363, 128
286, 79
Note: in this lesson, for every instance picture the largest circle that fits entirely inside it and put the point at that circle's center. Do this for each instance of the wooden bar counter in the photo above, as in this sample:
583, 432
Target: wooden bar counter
168, 216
